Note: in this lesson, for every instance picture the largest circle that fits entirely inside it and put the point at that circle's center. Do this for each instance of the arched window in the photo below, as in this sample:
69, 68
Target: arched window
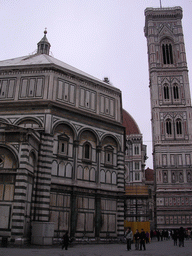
166, 92
87, 151
178, 127
137, 176
169, 127
175, 92
167, 53
108, 155
63, 141
136, 150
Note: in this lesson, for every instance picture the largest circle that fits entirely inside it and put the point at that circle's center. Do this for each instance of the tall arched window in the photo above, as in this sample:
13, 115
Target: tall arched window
166, 92
175, 92
87, 152
167, 53
108, 155
178, 127
169, 127
136, 151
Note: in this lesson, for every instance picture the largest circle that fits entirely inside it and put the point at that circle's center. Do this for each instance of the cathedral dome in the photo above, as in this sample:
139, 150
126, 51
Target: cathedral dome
130, 124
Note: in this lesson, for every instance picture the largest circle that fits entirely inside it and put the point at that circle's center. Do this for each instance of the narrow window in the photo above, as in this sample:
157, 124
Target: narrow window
136, 150
108, 155
63, 147
136, 165
137, 176
87, 155
169, 127
175, 92
167, 53
178, 127
164, 54
171, 54
166, 92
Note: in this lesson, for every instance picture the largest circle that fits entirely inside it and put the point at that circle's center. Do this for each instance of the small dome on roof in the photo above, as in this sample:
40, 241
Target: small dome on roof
130, 124
43, 46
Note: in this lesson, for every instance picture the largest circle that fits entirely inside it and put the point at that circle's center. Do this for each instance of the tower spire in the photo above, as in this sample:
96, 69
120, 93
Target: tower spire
43, 46
160, 4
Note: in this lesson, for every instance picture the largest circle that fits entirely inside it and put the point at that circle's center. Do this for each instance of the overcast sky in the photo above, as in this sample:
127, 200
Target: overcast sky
103, 38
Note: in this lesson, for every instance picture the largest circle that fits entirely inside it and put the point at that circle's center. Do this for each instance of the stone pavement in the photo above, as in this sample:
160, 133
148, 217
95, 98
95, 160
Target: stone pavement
162, 248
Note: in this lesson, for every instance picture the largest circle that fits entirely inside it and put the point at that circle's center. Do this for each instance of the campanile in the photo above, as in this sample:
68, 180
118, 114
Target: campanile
171, 116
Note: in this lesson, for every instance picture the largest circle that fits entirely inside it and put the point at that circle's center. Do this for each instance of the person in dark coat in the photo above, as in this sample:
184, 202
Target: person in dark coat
181, 237
175, 236
137, 237
65, 241
142, 239
158, 235
147, 237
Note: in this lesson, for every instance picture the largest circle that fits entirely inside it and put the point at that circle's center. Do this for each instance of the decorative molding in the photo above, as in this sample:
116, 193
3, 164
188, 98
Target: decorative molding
12, 120
78, 127
16, 146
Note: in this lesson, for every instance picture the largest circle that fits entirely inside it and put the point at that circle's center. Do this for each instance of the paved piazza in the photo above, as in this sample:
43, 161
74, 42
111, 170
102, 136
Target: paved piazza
162, 248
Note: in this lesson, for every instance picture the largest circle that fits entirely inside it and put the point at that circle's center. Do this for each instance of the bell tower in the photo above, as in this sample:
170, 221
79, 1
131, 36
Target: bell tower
171, 116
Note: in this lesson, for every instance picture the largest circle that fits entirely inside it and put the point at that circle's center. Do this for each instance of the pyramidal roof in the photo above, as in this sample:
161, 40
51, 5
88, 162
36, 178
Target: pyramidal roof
42, 57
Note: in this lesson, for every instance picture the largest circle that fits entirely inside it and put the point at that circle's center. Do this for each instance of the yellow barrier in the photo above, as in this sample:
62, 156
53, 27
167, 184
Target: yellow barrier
138, 225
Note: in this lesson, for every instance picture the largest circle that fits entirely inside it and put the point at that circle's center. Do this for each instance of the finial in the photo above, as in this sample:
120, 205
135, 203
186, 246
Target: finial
160, 4
45, 31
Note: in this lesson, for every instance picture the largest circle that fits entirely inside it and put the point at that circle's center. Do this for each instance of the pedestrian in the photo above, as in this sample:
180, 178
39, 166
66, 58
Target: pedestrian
129, 238
142, 239
181, 237
147, 237
175, 236
151, 234
137, 237
158, 235
65, 241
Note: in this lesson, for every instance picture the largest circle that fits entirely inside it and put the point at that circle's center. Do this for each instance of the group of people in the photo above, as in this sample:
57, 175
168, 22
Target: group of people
176, 234
139, 238
179, 234
160, 234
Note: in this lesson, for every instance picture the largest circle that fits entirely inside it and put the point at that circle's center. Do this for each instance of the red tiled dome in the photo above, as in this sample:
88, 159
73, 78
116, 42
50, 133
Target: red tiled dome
130, 124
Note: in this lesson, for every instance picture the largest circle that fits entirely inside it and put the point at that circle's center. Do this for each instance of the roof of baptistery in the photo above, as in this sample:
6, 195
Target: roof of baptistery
42, 57
130, 124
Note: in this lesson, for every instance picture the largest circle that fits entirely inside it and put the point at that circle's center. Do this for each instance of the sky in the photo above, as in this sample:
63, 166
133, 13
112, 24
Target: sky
104, 38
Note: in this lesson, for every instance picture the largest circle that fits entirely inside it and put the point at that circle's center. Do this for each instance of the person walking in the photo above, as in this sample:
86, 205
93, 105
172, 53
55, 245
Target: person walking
142, 240
181, 237
137, 237
147, 237
65, 241
129, 238
175, 236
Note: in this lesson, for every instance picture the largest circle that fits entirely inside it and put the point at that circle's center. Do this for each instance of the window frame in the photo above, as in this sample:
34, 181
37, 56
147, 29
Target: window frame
136, 149
178, 127
84, 157
63, 141
167, 52
176, 94
108, 151
166, 92
169, 127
